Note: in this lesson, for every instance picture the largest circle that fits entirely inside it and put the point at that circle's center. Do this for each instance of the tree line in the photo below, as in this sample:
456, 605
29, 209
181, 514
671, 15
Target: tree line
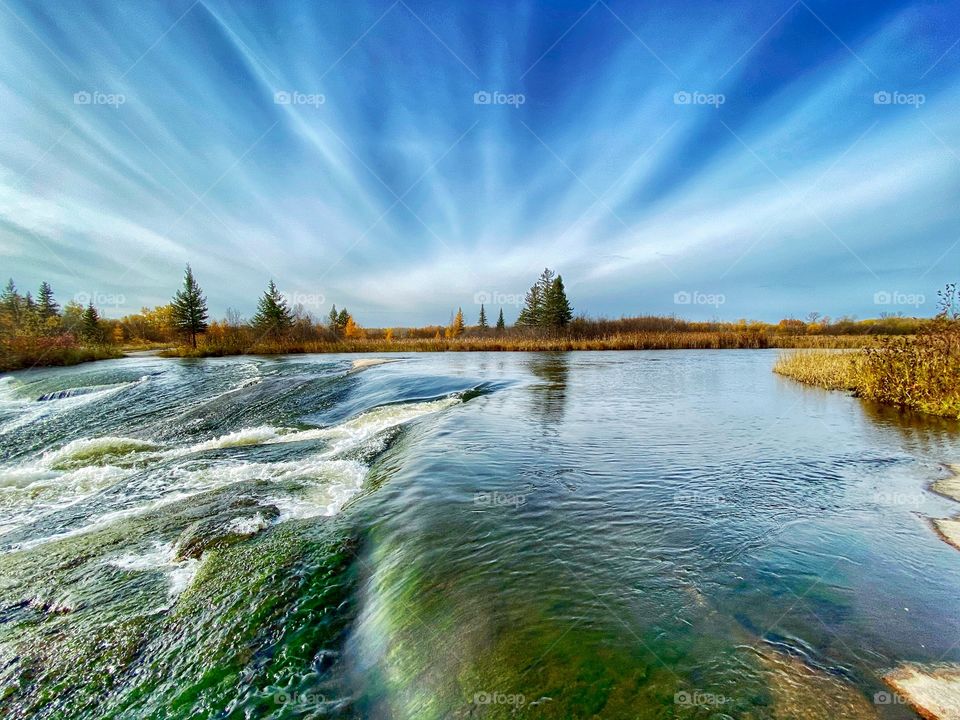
187, 317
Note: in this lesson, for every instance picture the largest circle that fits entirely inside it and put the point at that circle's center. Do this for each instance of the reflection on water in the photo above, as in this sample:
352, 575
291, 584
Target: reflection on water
549, 396
617, 535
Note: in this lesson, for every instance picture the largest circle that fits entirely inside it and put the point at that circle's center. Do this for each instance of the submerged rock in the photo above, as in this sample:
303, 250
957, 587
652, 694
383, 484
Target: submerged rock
802, 691
933, 691
226, 528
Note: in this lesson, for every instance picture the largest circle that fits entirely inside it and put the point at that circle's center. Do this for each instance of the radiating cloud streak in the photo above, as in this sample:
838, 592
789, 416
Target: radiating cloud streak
791, 156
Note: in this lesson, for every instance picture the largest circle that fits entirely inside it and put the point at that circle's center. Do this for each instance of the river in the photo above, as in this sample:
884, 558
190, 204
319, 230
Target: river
616, 535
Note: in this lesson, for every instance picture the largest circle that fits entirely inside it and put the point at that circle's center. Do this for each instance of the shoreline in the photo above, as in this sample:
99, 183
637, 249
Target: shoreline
933, 691
468, 345
949, 487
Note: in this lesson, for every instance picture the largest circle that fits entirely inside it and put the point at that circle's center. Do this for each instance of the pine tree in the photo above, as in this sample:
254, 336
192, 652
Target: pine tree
457, 326
273, 316
90, 324
557, 312
501, 325
46, 305
10, 303
530, 314
343, 317
482, 320
333, 321
190, 308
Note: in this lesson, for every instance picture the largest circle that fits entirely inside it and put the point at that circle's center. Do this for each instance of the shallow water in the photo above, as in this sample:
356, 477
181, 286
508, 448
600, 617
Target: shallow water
636, 535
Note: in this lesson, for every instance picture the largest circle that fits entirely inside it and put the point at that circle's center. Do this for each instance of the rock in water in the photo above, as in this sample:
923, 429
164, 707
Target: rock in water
933, 691
223, 529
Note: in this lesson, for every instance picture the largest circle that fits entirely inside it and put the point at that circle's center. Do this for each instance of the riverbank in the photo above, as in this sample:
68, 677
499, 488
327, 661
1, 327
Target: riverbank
42, 356
917, 375
521, 343
55, 356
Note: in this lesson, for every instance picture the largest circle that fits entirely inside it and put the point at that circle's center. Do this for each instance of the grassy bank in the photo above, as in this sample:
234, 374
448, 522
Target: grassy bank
825, 369
506, 343
921, 374
41, 352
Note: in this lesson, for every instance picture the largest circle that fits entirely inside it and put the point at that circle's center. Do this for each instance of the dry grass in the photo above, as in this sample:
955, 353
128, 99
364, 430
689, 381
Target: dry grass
649, 340
830, 370
19, 353
919, 373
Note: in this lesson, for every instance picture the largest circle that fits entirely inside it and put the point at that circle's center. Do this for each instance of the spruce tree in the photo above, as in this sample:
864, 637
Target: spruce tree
557, 312
46, 305
343, 317
273, 316
10, 303
333, 320
530, 314
90, 324
482, 320
189, 308
501, 325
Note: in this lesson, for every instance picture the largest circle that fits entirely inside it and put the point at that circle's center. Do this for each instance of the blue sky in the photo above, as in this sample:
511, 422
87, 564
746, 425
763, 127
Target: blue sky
706, 159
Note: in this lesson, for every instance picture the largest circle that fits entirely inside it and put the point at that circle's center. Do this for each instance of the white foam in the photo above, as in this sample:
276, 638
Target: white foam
32, 410
238, 438
161, 558
84, 449
361, 363
248, 525
29, 494
342, 437
330, 482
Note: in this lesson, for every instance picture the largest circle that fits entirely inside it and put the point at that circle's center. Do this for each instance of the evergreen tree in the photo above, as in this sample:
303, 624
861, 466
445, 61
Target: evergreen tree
530, 314
544, 282
557, 312
10, 303
501, 325
190, 308
90, 324
46, 305
482, 320
273, 316
343, 317
333, 319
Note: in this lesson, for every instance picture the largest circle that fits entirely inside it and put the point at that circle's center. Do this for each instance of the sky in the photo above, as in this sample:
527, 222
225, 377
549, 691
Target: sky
710, 160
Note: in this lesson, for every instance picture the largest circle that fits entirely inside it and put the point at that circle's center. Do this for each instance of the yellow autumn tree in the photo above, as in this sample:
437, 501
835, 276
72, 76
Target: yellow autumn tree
352, 330
388, 336
457, 326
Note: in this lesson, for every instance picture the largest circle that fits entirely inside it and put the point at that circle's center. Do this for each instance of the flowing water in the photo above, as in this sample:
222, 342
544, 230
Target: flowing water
615, 535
